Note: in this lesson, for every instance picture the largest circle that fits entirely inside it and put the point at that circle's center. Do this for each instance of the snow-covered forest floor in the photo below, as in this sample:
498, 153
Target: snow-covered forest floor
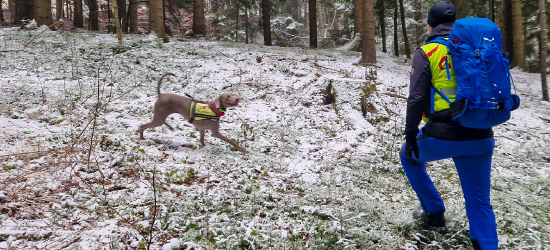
316, 176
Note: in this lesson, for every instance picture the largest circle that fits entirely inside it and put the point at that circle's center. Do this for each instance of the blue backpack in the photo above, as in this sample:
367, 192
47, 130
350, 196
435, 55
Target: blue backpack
483, 98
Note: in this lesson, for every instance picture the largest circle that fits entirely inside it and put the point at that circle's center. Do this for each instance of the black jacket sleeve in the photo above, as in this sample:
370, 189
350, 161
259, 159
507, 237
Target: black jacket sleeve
419, 92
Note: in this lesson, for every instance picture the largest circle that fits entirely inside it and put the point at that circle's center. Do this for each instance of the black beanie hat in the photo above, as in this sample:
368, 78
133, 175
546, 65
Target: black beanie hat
442, 12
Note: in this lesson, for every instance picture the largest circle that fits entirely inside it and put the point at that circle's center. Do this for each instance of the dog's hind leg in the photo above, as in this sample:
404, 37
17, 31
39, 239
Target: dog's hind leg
202, 137
157, 121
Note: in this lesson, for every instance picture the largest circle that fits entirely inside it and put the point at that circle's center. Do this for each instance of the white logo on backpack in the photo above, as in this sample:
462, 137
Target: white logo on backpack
490, 40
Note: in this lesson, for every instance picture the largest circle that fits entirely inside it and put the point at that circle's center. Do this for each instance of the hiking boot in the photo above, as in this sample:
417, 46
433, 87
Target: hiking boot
436, 221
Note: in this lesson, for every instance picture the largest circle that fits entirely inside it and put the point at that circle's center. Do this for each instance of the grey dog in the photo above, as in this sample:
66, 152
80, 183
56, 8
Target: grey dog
167, 104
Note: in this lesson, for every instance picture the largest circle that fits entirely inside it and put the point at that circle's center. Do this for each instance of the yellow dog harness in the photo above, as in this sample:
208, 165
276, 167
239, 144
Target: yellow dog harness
202, 111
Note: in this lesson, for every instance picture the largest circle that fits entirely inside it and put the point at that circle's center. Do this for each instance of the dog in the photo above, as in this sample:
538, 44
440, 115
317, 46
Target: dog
204, 116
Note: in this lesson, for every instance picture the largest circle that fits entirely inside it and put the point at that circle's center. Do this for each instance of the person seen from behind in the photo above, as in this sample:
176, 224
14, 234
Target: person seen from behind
441, 138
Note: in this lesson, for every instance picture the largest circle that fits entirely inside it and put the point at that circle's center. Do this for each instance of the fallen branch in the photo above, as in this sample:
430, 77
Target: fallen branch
15, 50
33, 152
70, 243
323, 67
508, 138
395, 95
49, 27
544, 119
225, 54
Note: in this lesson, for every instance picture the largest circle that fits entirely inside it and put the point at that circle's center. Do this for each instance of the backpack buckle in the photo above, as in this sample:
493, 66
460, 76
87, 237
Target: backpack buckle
478, 53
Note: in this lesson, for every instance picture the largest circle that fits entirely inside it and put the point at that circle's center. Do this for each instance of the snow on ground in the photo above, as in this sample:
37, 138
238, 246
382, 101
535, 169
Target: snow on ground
314, 177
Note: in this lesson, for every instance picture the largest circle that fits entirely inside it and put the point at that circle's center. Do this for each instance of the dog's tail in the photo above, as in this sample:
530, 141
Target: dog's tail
160, 81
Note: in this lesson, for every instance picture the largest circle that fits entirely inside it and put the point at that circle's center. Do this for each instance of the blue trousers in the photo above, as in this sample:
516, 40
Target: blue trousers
473, 163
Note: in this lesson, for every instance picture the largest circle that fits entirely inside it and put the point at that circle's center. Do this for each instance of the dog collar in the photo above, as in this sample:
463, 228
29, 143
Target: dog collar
218, 111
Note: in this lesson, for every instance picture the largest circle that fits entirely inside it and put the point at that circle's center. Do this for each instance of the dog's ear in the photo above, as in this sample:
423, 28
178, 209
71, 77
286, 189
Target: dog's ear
217, 102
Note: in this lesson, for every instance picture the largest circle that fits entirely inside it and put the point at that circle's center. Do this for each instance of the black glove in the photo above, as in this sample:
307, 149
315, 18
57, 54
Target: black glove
411, 146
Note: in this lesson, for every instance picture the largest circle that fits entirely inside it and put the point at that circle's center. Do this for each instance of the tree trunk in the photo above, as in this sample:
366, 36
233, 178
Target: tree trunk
346, 24
198, 17
507, 29
126, 24
335, 25
543, 48
156, 18
214, 8
121, 4
395, 38
58, 9
237, 27
383, 26
266, 22
404, 29
358, 22
419, 28
294, 11
519, 50
78, 20
94, 15
492, 10
2, 21
11, 7
321, 18
133, 16
23, 10
459, 4
246, 23
117, 20
312, 23
368, 42
43, 12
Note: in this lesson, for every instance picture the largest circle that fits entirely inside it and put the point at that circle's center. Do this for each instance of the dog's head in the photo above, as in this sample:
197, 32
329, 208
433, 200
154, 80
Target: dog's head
226, 100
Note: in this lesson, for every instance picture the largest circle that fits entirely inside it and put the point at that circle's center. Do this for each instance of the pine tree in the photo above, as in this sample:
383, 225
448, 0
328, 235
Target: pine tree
383, 26
543, 48
266, 22
418, 27
156, 18
198, 17
121, 4
1, 14
519, 48
312, 23
11, 7
94, 15
58, 9
133, 9
404, 29
358, 21
43, 12
368, 42
507, 29
459, 4
23, 10
395, 38
78, 20
492, 10
117, 21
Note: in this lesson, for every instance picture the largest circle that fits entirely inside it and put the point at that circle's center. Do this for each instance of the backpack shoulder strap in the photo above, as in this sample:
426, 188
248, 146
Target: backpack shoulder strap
440, 39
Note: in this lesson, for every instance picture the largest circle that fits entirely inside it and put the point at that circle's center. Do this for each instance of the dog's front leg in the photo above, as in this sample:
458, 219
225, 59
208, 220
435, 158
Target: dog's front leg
216, 133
